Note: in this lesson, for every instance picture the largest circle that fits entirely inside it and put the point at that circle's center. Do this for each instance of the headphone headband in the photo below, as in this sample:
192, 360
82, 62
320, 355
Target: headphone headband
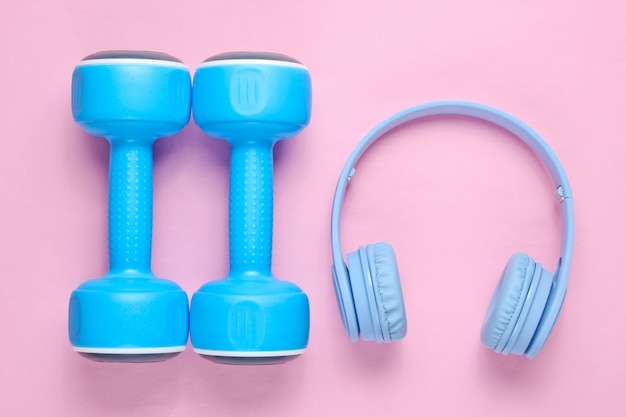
503, 120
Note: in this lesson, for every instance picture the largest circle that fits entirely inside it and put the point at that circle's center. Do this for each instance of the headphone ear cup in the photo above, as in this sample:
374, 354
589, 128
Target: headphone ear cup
361, 284
528, 325
377, 294
387, 291
507, 302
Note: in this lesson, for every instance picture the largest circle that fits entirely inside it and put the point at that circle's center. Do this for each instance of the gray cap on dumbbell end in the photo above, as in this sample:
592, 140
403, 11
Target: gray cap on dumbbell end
122, 54
249, 360
129, 358
268, 56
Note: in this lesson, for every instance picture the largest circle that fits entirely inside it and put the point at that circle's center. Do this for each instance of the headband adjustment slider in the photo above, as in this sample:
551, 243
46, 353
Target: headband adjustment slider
560, 194
351, 174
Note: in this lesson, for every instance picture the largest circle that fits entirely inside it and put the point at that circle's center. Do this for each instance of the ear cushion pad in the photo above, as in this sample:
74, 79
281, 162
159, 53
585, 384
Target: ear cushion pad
388, 292
507, 301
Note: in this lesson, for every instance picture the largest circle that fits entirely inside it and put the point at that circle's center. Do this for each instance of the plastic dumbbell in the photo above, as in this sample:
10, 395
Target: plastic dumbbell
251, 100
131, 98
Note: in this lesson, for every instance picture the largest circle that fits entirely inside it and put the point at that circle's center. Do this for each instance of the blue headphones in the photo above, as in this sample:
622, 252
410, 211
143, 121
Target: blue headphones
527, 299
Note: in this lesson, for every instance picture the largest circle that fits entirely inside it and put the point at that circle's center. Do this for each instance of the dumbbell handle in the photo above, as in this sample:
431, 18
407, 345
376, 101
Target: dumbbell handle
130, 206
251, 207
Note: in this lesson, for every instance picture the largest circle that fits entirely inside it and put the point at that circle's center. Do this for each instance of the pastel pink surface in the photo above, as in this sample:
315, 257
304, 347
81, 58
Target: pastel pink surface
455, 197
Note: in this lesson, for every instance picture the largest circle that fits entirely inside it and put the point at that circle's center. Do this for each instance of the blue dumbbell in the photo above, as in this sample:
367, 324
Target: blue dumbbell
132, 98
251, 100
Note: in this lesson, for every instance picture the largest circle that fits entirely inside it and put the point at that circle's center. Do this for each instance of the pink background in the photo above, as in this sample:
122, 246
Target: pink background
455, 197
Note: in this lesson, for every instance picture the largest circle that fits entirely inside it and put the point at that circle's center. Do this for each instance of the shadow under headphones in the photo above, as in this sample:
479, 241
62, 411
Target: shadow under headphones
527, 300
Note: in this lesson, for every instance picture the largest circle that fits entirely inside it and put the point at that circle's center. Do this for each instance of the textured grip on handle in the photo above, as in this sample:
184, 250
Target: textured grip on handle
251, 207
130, 206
